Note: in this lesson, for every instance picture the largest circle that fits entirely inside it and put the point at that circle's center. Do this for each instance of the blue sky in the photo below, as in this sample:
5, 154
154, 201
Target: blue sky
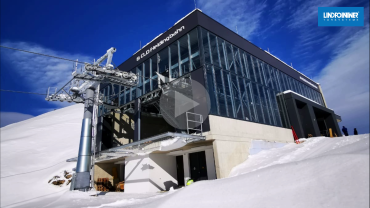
336, 57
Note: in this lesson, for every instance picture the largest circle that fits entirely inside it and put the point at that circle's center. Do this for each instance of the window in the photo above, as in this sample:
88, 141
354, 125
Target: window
214, 51
264, 105
236, 95
238, 63
146, 72
220, 92
257, 103
163, 62
230, 58
252, 104
221, 49
174, 70
258, 70
244, 100
245, 65
184, 55
207, 56
228, 93
211, 90
154, 70
194, 49
140, 82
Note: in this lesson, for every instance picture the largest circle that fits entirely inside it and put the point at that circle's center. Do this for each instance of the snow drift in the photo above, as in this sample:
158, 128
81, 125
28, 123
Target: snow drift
34, 150
322, 172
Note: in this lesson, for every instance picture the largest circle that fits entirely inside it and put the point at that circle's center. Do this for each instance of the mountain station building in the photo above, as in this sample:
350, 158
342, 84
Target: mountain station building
204, 95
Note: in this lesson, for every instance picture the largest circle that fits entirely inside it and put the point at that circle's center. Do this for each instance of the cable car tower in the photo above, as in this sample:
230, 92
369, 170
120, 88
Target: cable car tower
84, 88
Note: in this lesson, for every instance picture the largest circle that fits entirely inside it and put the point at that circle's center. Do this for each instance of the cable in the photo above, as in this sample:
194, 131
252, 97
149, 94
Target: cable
22, 92
16, 49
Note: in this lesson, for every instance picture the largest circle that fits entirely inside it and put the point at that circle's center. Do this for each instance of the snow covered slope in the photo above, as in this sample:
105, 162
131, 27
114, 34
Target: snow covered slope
322, 172
34, 150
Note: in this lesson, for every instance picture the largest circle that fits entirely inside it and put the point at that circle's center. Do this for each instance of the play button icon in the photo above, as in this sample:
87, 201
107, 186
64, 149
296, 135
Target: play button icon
184, 101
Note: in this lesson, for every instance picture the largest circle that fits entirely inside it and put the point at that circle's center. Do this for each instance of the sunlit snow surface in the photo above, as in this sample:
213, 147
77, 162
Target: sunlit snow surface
321, 172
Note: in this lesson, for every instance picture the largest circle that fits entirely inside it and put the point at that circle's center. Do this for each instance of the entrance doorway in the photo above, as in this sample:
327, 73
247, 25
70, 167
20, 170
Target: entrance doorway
180, 170
198, 166
322, 127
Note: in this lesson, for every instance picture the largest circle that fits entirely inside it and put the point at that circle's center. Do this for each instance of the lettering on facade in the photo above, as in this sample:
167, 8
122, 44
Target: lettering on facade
151, 49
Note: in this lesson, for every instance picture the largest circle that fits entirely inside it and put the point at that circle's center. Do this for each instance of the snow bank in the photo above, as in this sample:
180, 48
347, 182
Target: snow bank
321, 172
35, 150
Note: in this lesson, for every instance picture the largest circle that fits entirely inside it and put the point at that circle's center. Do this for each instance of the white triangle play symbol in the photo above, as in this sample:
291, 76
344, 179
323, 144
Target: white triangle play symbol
183, 104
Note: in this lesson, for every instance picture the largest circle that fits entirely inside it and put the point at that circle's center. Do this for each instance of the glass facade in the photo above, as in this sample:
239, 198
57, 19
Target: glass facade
240, 85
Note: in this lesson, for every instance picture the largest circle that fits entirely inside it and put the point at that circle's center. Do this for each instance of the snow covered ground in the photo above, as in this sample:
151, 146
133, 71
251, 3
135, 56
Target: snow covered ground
321, 172
34, 150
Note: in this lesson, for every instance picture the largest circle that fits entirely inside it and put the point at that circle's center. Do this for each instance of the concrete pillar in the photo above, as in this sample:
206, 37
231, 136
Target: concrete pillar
185, 158
211, 169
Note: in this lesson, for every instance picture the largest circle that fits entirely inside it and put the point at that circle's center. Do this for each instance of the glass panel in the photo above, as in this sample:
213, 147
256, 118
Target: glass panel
270, 106
207, 57
133, 93
254, 115
174, 61
214, 51
221, 49
194, 49
228, 92
154, 69
122, 95
127, 95
236, 95
257, 70
245, 101
163, 62
274, 78
184, 55
276, 110
245, 65
146, 68
140, 82
238, 63
220, 92
257, 103
211, 91
230, 58
266, 74
265, 108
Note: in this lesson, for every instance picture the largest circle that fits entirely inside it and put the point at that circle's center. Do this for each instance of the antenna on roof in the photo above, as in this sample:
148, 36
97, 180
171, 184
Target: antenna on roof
236, 29
291, 64
195, 4
140, 44
268, 50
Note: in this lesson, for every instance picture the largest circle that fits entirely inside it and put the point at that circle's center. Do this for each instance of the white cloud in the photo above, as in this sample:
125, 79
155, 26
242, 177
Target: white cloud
40, 72
7, 118
345, 82
245, 15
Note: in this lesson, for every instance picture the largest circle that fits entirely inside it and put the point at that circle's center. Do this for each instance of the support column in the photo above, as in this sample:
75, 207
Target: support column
137, 120
185, 158
313, 120
82, 181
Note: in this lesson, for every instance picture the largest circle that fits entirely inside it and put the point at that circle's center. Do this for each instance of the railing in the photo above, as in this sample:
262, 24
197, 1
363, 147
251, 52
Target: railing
195, 122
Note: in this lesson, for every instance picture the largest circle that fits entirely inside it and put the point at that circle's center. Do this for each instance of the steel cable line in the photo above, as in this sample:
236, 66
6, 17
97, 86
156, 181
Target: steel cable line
35, 93
41, 54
